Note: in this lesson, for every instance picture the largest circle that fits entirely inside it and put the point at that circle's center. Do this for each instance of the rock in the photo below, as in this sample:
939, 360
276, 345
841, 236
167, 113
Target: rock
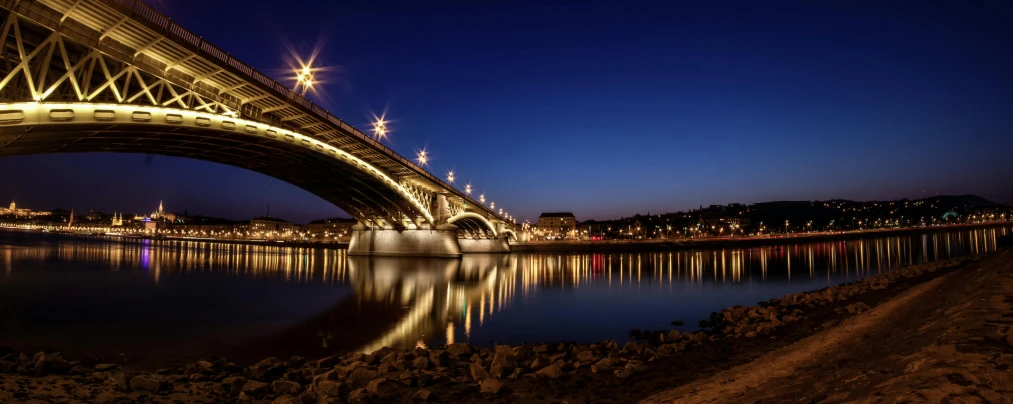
478, 371
330, 388
421, 395
421, 363
50, 364
540, 361
286, 400
308, 396
522, 353
459, 349
751, 334
540, 349
765, 328
328, 362
861, 307
233, 384
286, 387
8, 367
438, 357
267, 369
502, 365
491, 386
380, 386
105, 366
358, 396
391, 357
256, 389
553, 371
244, 398
585, 356
624, 372
147, 383
360, 377
631, 347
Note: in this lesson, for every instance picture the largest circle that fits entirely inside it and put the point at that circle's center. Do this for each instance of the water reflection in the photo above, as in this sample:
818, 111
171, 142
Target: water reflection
190, 299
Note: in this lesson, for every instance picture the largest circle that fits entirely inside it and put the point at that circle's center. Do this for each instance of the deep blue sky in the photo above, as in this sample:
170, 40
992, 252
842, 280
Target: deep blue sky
607, 109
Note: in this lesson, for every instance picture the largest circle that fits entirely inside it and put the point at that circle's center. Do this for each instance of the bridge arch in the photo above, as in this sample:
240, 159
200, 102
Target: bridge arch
329, 172
473, 222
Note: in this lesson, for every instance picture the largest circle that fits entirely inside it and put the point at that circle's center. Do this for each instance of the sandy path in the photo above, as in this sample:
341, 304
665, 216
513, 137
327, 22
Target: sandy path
946, 340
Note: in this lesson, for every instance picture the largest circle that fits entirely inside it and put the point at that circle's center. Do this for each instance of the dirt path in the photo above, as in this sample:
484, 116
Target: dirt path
946, 340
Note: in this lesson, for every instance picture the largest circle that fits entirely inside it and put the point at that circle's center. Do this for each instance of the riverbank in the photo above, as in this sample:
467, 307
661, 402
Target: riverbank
602, 372
731, 242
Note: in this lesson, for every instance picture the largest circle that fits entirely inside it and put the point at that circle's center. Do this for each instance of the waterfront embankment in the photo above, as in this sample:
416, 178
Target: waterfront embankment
931, 327
607, 246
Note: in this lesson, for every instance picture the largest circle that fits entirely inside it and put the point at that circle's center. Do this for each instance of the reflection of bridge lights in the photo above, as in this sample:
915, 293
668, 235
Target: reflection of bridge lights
467, 189
423, 157
450, 176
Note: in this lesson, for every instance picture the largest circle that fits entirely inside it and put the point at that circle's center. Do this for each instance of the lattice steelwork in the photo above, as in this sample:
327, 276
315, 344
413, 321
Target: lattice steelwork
121, 52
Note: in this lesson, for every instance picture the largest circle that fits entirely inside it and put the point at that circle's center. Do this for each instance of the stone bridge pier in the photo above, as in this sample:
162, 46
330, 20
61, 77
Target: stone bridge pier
453, 235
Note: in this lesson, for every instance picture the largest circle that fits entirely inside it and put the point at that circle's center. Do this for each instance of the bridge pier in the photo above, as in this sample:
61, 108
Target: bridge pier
484, 245
441, 242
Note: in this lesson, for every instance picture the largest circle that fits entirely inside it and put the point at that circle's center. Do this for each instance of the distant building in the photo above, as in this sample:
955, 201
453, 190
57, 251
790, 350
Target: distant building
556, 223
270, 224
335, 228
13, 210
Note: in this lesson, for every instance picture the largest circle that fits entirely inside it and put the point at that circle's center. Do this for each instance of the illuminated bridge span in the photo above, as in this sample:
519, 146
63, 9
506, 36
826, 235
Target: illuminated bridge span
116, 76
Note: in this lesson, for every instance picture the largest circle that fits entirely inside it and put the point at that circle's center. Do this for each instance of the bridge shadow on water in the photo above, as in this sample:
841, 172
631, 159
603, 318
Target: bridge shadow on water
396, 302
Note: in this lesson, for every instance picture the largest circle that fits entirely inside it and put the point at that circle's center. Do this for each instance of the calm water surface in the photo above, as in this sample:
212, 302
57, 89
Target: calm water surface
160, 300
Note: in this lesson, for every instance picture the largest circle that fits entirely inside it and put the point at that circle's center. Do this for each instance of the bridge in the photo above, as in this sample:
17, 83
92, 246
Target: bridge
117, 76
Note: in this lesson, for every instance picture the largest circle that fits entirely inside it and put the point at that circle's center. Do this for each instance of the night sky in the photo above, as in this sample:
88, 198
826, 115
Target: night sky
608, 109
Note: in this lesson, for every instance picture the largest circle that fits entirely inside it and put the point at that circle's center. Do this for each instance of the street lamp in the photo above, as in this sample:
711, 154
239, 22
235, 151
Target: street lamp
450, 176
379, 128
422, 157
467, 189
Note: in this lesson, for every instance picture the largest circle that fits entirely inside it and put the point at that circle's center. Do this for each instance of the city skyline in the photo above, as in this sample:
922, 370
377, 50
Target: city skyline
694, 105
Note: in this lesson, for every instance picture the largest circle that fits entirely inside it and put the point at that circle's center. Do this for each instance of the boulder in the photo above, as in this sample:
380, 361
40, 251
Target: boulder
148, 383
438, 357
328, 362
459, 349
50, 364
380, 386
267, 369
286, 400
421, 395
105, 366
360, 377
585, 356
421, 363
254, 388
502, 365
330, 388
358, 396
491, 386
522, 353
286, 387
478, 371
553, 371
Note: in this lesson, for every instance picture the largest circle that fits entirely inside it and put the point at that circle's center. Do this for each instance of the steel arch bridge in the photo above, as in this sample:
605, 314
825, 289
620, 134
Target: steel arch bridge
116, 76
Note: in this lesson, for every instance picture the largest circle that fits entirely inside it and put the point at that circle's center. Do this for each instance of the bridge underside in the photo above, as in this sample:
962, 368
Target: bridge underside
115, 76
346, 186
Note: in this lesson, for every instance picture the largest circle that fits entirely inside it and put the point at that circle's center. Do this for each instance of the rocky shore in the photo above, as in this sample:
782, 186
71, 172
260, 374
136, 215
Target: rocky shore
465, 373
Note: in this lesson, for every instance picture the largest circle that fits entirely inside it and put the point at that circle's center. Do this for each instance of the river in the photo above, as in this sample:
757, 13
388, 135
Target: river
152, 302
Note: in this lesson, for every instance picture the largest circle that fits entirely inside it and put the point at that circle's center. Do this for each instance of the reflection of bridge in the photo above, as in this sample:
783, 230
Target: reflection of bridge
399, 302
116, 76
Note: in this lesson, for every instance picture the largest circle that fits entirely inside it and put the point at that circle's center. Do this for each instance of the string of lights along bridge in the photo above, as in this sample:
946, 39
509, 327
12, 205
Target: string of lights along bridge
117, 76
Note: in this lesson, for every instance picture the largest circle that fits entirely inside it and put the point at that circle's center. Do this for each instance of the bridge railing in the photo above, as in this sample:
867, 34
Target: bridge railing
149, 14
